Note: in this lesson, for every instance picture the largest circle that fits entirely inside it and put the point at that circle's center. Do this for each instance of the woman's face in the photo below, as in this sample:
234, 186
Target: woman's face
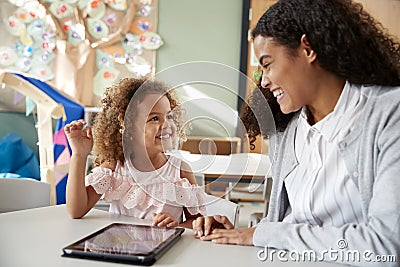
287, 76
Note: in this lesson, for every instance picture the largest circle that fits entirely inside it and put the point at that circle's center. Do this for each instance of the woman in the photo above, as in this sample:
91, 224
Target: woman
335, 75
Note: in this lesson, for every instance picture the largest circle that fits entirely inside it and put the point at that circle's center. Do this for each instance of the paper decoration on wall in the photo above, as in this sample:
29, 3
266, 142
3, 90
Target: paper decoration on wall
117, 4
103, 60
61, 10
26, 14
67, 41
144, 11
139, 66
42, 71
7, 56
140, 25
151, 40
105, 77
146, 2
18, 97
30, 106
76, 33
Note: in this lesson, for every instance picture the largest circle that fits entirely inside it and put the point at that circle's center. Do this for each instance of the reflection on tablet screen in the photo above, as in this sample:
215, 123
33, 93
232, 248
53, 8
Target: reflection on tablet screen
126, 239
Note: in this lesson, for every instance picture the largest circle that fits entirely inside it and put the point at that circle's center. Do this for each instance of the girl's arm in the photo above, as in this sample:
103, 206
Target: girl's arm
80, 199
186, 172
165, 218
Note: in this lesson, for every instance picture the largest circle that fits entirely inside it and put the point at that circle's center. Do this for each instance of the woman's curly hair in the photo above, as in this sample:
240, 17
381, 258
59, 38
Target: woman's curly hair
108, 127
348, 41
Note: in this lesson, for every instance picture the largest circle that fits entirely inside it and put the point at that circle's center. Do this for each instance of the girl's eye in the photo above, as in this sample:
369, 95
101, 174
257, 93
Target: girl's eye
170, 117
154, 118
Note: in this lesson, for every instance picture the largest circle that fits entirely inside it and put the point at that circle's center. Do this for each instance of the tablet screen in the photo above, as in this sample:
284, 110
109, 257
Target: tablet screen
126, 239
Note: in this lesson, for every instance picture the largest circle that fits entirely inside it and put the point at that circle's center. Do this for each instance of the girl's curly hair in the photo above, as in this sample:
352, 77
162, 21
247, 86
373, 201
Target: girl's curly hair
348, 41
108, 126
257, 117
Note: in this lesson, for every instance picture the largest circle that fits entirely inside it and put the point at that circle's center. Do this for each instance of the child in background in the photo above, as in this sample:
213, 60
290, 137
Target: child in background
139, 119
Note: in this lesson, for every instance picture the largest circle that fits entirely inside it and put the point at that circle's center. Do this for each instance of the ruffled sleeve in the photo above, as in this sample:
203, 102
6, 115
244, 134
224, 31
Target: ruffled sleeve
179, 193
100, 179
160, 193
188, 195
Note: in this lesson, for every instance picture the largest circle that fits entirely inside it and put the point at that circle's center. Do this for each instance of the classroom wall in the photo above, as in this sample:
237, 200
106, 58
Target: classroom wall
204, 30
192, 31
385, 11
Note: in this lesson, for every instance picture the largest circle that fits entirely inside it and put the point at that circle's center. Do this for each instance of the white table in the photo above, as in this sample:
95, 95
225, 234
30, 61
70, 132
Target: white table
241, 167
36, 237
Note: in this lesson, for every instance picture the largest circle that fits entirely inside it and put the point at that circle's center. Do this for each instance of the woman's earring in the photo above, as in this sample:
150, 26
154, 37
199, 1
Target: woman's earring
122, 129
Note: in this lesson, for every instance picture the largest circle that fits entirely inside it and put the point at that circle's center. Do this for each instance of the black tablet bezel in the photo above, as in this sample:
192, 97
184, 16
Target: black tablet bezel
145, 258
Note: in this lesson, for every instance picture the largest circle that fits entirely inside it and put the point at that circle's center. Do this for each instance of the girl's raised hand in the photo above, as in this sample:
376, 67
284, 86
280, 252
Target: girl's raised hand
79, 137
164, 219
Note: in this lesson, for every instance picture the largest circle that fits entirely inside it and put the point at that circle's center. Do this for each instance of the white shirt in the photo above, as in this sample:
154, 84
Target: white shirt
320, 188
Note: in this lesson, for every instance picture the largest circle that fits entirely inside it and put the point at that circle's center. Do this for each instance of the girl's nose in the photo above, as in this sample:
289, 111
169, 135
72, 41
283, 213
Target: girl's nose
166, 124
265, 82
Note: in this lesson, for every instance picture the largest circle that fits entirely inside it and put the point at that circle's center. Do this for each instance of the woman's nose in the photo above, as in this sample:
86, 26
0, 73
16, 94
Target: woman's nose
265, 82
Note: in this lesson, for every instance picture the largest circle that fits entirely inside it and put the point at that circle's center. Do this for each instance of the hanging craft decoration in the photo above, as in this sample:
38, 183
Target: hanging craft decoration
140, 25
105, 77
7, 56
151, 40
144, 11
18, 97
30, 106
67, 41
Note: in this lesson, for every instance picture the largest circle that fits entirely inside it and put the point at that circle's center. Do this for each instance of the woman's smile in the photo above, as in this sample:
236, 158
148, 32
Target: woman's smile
279, 94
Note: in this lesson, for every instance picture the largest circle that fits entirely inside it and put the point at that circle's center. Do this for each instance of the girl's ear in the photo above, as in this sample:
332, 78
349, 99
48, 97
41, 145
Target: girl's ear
306, 47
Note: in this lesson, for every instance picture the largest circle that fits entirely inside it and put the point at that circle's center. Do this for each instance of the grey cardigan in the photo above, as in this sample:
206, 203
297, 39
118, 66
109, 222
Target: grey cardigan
371, 150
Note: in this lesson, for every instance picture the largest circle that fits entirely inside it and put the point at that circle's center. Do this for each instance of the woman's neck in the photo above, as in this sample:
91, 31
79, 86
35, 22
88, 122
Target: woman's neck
329, 91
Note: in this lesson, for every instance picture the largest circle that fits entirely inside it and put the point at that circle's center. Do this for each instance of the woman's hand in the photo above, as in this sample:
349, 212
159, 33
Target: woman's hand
238, 236
164, 219
204, 225
79, 137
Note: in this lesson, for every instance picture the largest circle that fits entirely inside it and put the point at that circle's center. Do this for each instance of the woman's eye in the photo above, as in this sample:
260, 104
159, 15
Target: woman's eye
266, 66
170, 117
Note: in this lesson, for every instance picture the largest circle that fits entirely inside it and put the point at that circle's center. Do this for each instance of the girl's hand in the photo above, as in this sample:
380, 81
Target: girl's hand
79, 137
164, 219
204, 225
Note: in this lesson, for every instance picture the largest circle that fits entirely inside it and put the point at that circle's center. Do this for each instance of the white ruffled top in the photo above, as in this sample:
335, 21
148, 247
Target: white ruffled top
139, 194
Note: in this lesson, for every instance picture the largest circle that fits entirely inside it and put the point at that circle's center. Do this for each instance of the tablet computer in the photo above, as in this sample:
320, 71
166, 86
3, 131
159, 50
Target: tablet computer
125, 243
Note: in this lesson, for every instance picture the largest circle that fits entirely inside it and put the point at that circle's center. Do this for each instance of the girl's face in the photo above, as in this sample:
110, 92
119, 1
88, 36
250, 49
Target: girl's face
159, 128
288, 77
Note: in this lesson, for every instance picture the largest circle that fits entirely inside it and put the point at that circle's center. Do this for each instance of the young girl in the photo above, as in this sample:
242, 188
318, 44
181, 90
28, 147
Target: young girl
138, 119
